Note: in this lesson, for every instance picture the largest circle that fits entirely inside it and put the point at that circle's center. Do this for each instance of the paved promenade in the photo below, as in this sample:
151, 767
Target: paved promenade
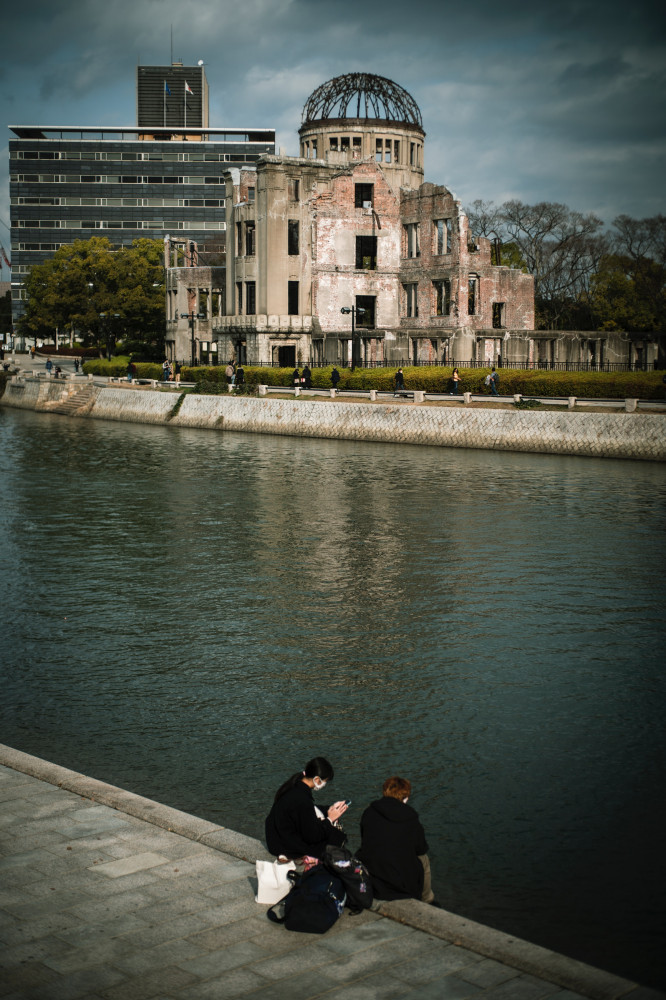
98, 901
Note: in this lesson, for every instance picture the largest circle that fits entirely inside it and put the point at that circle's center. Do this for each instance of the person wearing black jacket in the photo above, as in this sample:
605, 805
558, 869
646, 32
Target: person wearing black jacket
393, 846
295, 826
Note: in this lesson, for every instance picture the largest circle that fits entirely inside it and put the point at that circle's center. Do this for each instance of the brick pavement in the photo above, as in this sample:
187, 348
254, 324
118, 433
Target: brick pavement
99, 904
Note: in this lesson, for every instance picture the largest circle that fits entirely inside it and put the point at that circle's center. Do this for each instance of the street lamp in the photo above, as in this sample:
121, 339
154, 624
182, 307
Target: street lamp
354, 310
191, 317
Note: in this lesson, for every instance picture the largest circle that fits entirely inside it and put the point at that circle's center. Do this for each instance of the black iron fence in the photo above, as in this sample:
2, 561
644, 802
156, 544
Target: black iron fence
556, 366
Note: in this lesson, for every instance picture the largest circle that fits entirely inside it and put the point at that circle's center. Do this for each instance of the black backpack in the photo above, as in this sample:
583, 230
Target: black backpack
313, 905
353, 874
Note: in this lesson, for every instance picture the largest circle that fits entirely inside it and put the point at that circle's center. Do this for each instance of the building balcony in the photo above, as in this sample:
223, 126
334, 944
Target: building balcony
264, 323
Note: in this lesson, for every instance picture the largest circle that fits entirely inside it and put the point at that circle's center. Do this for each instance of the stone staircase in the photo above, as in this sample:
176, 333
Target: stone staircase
73, 404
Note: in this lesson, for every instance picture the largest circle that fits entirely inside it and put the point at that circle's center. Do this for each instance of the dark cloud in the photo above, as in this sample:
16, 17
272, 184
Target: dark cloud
550, 102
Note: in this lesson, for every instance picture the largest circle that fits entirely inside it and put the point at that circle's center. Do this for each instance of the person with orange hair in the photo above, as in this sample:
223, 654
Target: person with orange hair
393, 845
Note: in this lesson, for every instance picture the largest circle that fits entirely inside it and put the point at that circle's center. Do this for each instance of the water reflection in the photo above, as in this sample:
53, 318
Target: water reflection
191, 615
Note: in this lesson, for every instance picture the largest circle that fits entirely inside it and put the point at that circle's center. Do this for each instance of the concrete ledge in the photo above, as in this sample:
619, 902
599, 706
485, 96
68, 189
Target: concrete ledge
530, 958
519, 954
598, 435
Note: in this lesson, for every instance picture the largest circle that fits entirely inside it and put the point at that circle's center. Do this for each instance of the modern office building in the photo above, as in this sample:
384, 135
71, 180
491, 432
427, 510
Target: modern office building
150, 180
71, 183
174, 96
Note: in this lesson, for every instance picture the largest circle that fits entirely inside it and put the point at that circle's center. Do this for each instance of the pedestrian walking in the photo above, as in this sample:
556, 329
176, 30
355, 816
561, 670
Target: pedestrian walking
335, 377
455, 379
48, 366
494, 382
306, 379
399, 382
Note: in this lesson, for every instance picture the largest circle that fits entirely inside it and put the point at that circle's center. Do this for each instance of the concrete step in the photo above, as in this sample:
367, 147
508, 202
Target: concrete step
72, 404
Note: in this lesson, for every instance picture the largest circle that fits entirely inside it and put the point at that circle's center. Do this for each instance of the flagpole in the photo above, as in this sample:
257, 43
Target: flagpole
164, 101
185, 103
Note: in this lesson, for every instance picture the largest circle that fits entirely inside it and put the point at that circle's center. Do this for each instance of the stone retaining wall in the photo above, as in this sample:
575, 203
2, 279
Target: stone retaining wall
600, 435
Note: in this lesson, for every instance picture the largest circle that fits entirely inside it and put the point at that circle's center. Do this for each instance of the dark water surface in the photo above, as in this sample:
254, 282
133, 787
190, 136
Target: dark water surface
192, 615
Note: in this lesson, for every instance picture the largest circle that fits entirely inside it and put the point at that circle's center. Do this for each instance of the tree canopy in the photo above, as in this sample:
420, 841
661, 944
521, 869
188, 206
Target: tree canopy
99, 291
584, 277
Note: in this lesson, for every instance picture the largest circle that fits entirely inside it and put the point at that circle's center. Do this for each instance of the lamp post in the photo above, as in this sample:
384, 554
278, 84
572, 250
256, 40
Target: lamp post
354, 310
191, 317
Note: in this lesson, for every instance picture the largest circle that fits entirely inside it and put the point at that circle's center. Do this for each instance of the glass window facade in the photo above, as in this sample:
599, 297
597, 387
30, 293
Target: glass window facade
70, 185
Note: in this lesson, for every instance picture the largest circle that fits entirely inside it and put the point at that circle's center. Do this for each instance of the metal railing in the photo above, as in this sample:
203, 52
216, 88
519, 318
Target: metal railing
558, 366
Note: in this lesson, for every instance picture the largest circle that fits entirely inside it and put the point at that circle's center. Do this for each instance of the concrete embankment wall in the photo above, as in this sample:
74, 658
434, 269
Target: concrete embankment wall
601, 435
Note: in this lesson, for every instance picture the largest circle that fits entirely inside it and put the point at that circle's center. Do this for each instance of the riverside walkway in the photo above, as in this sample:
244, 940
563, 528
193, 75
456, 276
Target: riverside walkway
105, 894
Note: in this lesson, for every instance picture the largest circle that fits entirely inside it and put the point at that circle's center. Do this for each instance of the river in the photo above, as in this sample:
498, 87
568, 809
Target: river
192, 615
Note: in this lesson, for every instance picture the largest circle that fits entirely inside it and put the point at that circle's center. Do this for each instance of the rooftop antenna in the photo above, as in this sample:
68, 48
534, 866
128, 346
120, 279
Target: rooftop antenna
172, 44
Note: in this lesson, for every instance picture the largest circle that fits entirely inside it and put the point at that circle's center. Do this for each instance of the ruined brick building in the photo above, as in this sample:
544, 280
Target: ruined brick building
350, 223
349, 233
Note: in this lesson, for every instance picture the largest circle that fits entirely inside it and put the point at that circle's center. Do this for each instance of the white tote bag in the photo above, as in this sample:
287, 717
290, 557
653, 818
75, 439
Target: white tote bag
272, 881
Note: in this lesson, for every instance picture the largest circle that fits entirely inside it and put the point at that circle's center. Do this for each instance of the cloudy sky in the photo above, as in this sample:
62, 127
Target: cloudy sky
542, 102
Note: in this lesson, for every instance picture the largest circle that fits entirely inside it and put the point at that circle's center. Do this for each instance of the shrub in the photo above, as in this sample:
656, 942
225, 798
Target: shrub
528, 404
118, 367
537, 382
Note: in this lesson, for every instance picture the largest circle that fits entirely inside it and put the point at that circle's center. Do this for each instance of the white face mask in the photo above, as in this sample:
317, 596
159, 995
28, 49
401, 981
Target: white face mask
318, 787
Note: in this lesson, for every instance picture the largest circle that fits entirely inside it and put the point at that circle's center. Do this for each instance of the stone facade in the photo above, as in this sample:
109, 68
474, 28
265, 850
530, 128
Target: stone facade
344, 255
320, 236
195, 297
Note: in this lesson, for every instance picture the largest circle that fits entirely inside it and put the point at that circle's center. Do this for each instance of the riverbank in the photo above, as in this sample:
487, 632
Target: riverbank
636, 436
109, 893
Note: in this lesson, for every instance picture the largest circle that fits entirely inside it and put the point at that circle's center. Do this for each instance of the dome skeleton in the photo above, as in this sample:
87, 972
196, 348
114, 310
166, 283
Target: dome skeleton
374, 98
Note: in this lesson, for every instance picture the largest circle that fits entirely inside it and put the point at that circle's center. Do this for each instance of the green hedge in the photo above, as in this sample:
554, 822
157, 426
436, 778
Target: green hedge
538, 382
595, 385
118, 368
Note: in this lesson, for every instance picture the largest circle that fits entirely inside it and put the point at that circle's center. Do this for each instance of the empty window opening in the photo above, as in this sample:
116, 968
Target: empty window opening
250, 298
344, 144
364, 196
292, 298
442, 236
292, 237
356, 144
387, 153
239, 298
442, 297
294, 189
412, 154
333, 143
239, 239
498, 315
379, 150
396, 151
366, 253
411, 299
412, 239
472, 294
365, 311
250, 234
